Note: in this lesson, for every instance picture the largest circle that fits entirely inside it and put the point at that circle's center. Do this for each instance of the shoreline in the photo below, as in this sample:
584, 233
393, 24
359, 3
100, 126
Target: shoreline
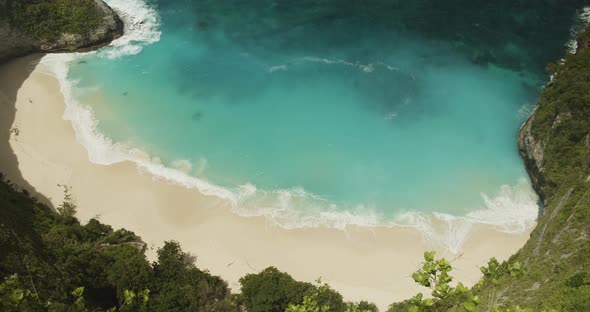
226, 244
512, 208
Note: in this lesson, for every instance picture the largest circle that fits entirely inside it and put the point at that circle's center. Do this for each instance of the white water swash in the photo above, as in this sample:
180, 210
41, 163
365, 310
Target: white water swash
506, 201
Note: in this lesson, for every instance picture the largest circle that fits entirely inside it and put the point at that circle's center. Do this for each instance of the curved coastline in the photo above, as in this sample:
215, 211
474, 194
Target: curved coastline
49, 156
511, 210
181, 214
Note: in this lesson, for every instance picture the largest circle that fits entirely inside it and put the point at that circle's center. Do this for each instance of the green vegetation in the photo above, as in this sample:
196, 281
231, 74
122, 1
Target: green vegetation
557, 256
561, 123
434, 274
552, 271
271, 290
320, 299
51, 262
46, 20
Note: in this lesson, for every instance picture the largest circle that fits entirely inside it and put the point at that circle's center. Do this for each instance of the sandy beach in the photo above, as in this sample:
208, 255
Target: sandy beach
362, 263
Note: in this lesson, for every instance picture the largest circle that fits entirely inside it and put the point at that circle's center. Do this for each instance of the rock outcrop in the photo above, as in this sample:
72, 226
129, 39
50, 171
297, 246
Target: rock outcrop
531, 151
555, 146
15, 41
532, 147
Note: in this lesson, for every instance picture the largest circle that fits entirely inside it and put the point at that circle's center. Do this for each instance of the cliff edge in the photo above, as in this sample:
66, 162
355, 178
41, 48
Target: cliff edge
555, 139
555, 146
531, 151
28, 26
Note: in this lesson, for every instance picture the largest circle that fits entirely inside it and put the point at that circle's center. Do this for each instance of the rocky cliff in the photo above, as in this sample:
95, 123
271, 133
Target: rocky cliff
531, 151
555, 146
28, 26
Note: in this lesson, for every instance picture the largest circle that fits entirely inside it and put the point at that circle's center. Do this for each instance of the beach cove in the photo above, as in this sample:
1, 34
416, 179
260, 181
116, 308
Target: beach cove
395, 142
371, 263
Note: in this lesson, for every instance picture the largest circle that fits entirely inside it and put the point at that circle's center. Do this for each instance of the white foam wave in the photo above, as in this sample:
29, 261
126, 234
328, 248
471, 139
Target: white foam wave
141, 28
391, 116
295, 209
526, 110
444, 230
101, 150
513, 209
201, 166
275, 68
585, 15
582, 21
183, 165
367, 68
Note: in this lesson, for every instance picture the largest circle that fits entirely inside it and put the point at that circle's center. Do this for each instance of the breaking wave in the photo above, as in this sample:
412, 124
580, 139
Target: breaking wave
582, 20
513, 209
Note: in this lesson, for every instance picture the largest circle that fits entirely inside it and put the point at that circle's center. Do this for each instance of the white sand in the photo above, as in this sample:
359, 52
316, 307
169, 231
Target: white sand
374, 264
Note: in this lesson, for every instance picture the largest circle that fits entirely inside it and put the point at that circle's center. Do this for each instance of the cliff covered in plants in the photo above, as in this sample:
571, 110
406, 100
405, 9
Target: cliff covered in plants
28, 26
51, 262
553, 268
555, 144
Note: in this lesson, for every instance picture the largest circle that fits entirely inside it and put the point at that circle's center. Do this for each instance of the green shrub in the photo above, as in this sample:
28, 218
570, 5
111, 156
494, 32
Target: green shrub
44, 19
271, 291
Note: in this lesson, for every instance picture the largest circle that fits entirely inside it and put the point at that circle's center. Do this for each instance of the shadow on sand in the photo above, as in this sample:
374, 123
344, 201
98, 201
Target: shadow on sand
12, 76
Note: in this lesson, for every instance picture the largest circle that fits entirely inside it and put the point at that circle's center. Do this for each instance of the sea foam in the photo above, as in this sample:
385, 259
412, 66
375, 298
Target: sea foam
141, 28
512, 210
582, 20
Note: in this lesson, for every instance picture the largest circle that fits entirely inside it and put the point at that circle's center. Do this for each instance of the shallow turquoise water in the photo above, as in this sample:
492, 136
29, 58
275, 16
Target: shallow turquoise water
368, 105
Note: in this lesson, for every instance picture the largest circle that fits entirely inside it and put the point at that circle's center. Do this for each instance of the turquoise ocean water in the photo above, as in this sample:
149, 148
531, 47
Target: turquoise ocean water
306, 110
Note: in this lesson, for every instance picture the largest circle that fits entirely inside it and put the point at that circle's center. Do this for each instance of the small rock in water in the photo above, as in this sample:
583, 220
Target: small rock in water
125, 93
202, 25
197, 116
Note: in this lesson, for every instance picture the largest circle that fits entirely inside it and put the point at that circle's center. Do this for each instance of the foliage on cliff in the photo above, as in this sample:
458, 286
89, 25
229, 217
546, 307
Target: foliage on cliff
561, 123
558, 252
43, 19
552, 271
51, 262
273, 290
557, 256
51, 256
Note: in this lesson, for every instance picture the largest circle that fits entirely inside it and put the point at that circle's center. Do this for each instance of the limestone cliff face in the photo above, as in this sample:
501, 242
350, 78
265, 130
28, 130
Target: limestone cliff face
531, 151
16, 42
555, 146
532, 147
